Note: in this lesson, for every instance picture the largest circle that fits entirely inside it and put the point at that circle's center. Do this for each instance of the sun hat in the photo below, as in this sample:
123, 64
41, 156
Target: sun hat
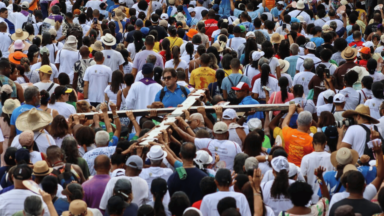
360, 110
97, 46
349, 53
156, 153
256, 55
7, 89
230, 114
26, 138
108, 40
18, 45
53, 32
365, 50
25, 5
163, 23
344, 156
284, 65
220, 128
180, 17
254, 123
300, 5
251, 163
41, 168
135, 162
71, 40
119, 15
326, 28
191, 10
33, 120
9, 105
310, 46
202, 158
76, 12
238, 87
16, 57
338, 98
280, 163
45, 69
78, 207
218, 47
164, 16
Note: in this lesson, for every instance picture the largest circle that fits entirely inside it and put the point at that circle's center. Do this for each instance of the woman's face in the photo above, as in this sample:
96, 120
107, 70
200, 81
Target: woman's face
65, 97
14, 75
35, 57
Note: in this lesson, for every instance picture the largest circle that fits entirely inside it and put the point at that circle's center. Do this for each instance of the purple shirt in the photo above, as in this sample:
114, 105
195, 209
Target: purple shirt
94, 189
141, 58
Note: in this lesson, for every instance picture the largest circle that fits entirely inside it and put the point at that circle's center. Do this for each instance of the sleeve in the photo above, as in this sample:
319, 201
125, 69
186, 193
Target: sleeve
350, 135
14, 89
130, 100
86, 76
121, 59
135, 63
245, 210
298, 64
55, 71
304, 166
254, 89
202, 143
106, 195
13, 118
157, 97
57, 60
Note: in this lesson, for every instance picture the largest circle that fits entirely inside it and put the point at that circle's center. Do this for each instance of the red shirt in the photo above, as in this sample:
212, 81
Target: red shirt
210, 26
257, 77
197, 204
359, 44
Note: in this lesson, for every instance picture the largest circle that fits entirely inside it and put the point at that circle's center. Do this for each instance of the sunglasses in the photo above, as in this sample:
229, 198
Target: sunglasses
167, 78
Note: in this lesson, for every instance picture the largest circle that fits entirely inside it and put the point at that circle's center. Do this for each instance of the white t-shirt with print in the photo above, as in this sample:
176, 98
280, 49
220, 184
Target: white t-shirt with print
374, 107
113, 59
356, 137
98, 77
273, 84
351, 98
278, 205
303, 78
63, 108
209, 203
67, 59
182, 64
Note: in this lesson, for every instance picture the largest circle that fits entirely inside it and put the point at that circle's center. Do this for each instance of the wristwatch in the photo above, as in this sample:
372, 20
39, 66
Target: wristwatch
266, 158
186, 128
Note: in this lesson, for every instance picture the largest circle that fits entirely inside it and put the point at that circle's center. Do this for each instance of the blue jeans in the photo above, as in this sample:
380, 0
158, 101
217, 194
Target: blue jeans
44, 9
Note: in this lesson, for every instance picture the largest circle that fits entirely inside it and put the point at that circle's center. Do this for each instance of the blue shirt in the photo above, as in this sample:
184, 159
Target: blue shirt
350, 39
332, 183
235, 78
249, 100
369, 173
317, 40
172, 99
275, 12
252, 14
292, 64
16, 112
61, 205
248, 26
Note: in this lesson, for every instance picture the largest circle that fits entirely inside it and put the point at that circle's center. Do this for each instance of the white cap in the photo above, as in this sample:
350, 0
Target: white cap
338, 98
164, 16
229, 114
250, 34
344, 2
368, 44
156, 153
220, 128
254, 123
251, 163
292, 170
192, 3
191, 9
280, 2
280, 163
25, 4
328, 93
202, 158
310, 45
118, 172
256, 55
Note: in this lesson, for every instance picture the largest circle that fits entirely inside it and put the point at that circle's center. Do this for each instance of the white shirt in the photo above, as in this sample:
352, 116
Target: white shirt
44, 86
302, 13
374, 107
13, 201
63, 108
250, 72
182, 64
289, 79
52, 50
303, 78
235, 42
18, 18
113, 59
149, 174
268, 176
339, 23
330, 66
85, 28
281, 31
300, 61
141, 95
209, 203
381, 124
356, 137
321, 21
227, 150
111, 95
273, 84
377, 76
351, 98
55, 72
309, 163
367, 94
278, 205
308, 105
90, 156
98, 77
43, 141
132, 50
273, 64
326, 107
6, 41
67, 59
139, 190
94, 4
198, 10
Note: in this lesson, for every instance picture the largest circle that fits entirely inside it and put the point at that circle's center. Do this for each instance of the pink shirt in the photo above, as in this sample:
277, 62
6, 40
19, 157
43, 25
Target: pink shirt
279, 100
53, 3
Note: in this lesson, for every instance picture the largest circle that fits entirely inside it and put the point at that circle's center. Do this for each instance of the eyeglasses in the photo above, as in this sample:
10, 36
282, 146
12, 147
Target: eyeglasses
167, 78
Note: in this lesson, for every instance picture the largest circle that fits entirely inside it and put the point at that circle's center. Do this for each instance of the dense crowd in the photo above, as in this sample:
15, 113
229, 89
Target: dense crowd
76, 77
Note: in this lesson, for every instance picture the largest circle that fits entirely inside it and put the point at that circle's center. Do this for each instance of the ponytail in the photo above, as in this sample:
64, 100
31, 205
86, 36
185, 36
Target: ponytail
4, 97
158, 205
53, 98
176, 57
283, 83
265, 69
280, 185
166, 45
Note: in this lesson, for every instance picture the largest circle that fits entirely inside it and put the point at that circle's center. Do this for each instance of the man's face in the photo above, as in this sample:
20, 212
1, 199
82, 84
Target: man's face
240, 94
193, 14
193, 123
169, 80
4, 15
279, 6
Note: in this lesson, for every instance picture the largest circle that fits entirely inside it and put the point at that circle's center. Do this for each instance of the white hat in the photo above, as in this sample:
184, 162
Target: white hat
236, 22
220, 128
326, 28
192, 3
202, 158
164, 16
280, 163
361, 71
191, 9
280, 2
180, 17
71, 39
108, 40
338, 98
33, 120
284, 65
156, 153
310, 45
256, 55
368, 44
118, 172
251, 163
292, 170
328, 93
300, 5
254, 123
25, 4
344, 2
229, 114
301, 18
250, 34
10, 104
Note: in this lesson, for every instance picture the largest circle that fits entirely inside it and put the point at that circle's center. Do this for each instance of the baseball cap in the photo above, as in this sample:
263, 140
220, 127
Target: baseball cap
241, 86
310, 45
145, 31
338, 98
242, 28
220, 128
118, 172
139, 23
25, 5
44, 50
230, 113
26, 138
215, 7
331, 132
280, 163
123, 187
365, 50
292, 170
368, 44
223, 176
280, 2
21, 155
22, 172
135, 162
164, 16
251, 163
237, 29
202, 158
256, 55
254, 123
328, 93
45, 69
191, 9
250, 34
147, 68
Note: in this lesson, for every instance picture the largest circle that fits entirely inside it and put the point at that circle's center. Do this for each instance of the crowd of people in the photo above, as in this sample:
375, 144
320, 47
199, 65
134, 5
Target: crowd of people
74, 72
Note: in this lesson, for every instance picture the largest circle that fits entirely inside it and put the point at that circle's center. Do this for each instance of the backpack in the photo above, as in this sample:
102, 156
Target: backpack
75, 30
232, 95
162, 93
368, 151
66, 174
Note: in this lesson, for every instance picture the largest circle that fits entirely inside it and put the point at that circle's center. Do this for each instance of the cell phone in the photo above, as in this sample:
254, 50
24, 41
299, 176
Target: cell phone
113, 13
94, 20
284, 26
327, 72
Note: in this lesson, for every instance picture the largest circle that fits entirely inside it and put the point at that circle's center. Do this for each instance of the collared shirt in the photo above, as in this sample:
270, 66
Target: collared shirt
172, 99
250, 100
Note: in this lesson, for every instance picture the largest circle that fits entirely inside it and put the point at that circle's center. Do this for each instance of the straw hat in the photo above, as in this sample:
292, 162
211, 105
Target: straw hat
360, 110
185, 26
276, 38
108, 40
180, 17
300, 5
284, 65
40, 168
19, 35
119, 15
349, 53
344, 156
33, 120
10, 105
218, 47
78, 207
97, 46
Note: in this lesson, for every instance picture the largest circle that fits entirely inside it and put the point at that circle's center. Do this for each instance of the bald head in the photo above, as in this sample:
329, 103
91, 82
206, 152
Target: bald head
102, 163
54, 153
84, 51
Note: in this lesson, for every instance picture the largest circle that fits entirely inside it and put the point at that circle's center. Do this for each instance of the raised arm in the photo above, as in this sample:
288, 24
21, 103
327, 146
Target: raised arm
287, 119
134, 122
379, 157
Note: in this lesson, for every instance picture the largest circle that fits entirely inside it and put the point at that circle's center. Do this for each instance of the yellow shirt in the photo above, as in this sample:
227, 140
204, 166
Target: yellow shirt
201, 77
156, 48
229, 72
175, 41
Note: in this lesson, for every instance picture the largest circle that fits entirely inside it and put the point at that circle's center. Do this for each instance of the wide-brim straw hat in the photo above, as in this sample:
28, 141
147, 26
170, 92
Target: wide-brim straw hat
218, 47
276, 38
33, 120
344, 156
349, 53
19, 35
97, 46
41, 168
285, 64
108, 40
360, 110
9, 105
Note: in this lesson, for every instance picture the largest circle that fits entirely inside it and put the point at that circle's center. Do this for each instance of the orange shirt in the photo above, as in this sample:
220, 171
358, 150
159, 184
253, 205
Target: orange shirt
297, 144
33, 6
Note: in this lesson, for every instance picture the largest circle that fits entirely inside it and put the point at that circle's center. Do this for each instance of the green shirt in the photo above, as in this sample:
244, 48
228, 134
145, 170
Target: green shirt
267, 142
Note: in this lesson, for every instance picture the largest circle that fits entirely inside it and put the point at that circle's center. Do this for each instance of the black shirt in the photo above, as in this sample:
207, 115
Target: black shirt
371, 28
323, 46
129, 37
161, 33
130, 210
362, 206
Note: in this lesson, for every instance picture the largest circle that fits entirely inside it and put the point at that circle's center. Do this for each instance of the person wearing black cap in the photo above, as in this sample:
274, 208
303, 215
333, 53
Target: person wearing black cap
122, 190
223, 180
13, 201
161, 32
117, 207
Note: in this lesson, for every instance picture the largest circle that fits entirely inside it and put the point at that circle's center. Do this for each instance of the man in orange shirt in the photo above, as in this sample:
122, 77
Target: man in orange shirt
297, 141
